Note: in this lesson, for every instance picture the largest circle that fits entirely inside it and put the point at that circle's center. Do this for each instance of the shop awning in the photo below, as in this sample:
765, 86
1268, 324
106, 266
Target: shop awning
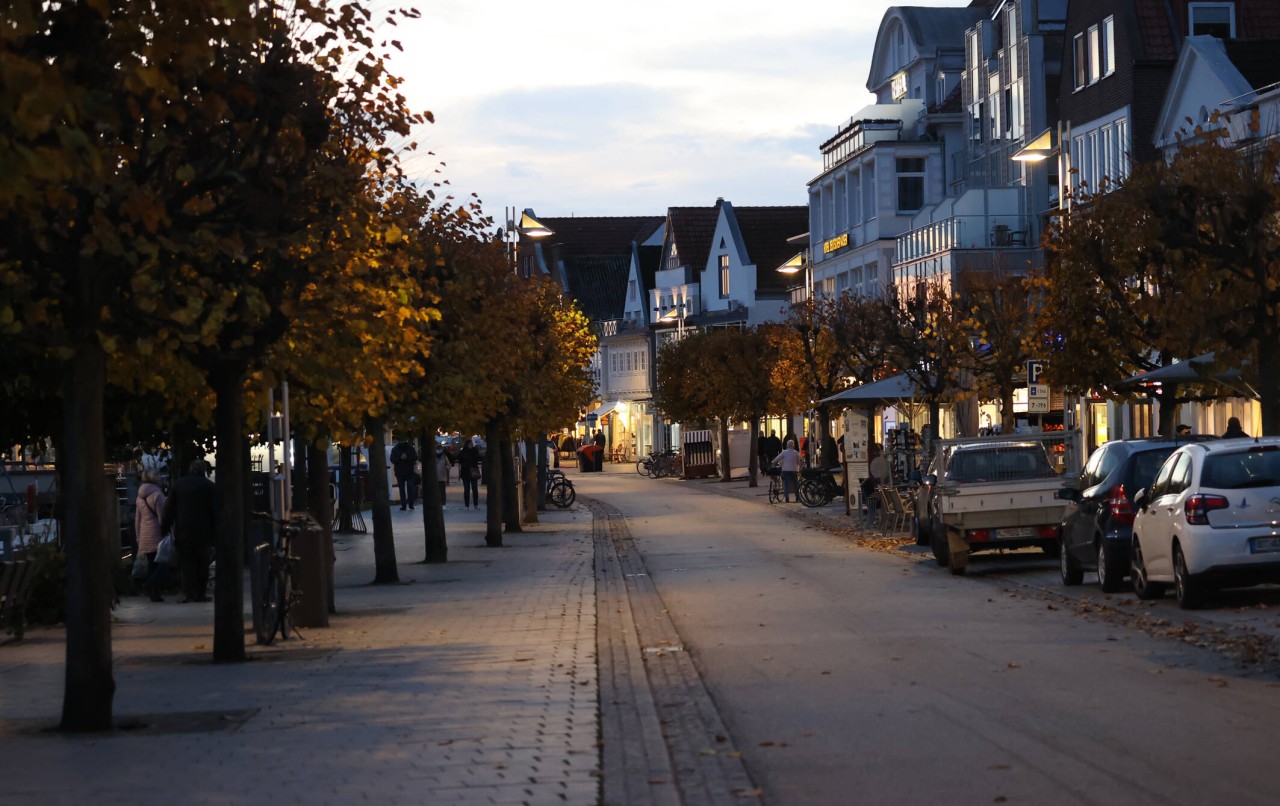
605, 408
1194, 370
886, 390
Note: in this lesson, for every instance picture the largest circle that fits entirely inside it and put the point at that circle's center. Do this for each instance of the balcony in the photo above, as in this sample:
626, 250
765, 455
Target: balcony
964, 232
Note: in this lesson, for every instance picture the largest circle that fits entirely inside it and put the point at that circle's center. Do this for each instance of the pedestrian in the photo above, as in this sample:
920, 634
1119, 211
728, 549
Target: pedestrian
404, 460
469, 472
1182, 430
147, 511
789, 463
189, 515
443, 464
772, 446
553, 450
1233, 429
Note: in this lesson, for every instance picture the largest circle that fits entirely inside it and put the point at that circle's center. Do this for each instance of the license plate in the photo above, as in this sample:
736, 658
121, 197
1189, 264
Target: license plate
1017, 531
1261, 545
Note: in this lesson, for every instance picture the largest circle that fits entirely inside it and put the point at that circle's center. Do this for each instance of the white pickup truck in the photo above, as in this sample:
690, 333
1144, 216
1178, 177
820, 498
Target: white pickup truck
998, 492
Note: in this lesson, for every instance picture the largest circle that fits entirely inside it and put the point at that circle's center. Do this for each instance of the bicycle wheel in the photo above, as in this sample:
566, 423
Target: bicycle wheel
810, 492
642, 467
274, 606
562, 494
775, 489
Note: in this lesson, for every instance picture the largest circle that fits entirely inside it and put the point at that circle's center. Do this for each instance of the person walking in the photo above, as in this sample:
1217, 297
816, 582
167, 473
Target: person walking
443, 465
772, 447
189, 515
1233, 429
404, 460
469, 473
789, 463
147, 511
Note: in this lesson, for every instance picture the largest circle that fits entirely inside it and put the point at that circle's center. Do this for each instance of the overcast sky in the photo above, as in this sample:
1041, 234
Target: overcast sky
580, 107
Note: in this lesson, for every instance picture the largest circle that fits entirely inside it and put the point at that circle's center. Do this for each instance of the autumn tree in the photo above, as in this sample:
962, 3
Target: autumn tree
1158, 271
997, 312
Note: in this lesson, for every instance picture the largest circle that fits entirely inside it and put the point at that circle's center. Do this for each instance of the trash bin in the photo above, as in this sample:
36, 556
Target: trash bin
590, 458
312, 606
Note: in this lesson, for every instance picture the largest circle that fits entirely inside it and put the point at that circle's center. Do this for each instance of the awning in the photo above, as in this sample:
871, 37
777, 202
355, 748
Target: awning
888, 390
1194, 370
605, 408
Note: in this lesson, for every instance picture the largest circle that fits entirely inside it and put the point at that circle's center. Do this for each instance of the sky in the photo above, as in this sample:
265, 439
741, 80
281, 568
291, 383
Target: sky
572, 107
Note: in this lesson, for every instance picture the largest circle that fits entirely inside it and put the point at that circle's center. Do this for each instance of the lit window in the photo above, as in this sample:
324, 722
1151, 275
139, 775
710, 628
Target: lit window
724, 277
1081, 61
1108, 46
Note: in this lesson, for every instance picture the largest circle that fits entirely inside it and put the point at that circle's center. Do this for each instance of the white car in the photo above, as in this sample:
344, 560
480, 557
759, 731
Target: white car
1211, 519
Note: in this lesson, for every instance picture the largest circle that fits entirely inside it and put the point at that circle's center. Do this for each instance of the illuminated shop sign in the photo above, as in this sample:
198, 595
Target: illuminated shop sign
838, 242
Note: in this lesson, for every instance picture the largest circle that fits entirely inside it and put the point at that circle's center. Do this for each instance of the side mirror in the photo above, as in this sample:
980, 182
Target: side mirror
1140, 499
1067, 494
931, 479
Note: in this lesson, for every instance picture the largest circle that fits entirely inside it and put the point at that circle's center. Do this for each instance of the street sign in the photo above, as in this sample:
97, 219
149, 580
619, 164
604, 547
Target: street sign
1035, 368
1038, 398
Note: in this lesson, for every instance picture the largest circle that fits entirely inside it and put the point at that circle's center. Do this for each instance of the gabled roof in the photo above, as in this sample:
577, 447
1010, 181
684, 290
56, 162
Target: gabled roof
648, 259
764, 232
591, 256
691, 229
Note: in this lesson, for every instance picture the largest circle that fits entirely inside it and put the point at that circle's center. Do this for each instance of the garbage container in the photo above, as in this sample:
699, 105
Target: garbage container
312, 606
590, 458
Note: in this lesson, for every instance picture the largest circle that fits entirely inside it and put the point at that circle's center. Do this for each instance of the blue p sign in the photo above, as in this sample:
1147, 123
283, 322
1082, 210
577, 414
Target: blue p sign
1034, 370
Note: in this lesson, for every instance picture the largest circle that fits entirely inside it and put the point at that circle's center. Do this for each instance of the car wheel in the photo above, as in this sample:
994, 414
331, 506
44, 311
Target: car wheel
921, 536
1110, 574
1072, 573
938, 542
1145, 588
1190, 591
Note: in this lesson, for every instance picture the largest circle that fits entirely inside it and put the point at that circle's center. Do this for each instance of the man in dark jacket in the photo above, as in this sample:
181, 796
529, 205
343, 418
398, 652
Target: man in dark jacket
404, 460
189, 512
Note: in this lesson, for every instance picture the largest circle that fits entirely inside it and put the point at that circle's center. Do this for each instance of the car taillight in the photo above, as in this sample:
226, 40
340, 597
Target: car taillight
1198, 507
1121, 509
979, 535
1047, 532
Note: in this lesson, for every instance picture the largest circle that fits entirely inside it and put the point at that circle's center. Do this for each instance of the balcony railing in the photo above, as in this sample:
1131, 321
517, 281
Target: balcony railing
964, 232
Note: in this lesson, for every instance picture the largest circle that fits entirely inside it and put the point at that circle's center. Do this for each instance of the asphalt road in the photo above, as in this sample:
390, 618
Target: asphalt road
847, 675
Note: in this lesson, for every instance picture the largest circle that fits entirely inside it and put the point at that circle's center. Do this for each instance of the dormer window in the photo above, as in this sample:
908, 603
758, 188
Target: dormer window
1212, 19
673, 259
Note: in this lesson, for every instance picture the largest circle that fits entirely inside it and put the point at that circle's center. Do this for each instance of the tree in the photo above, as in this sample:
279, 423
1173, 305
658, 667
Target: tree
1155, 271
998, 313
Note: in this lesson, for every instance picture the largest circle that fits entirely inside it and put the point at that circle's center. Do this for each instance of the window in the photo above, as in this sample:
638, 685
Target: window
673, 260
910, 183
1081, 61
1212, 19
724, 277
641, 354
1108, 46
631, 290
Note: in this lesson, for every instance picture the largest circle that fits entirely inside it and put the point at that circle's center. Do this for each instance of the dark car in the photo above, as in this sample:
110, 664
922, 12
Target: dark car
452, 443
1098, 528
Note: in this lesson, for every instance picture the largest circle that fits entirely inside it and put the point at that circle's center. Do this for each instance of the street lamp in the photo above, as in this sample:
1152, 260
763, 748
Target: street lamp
526, 225
797, 264
1045, 145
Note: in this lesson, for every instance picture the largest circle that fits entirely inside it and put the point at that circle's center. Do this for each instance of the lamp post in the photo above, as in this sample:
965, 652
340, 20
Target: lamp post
525, 225
1046, 145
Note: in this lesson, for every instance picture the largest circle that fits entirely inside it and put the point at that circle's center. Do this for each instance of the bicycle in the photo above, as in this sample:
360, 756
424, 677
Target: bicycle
818, 487
279, 593
775, 484
560, 489
660, 464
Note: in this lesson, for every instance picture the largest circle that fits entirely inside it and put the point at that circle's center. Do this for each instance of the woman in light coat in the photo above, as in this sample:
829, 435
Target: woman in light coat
147, 512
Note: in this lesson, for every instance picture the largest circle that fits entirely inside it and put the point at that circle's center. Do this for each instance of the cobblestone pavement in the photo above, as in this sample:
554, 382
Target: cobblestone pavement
473, 682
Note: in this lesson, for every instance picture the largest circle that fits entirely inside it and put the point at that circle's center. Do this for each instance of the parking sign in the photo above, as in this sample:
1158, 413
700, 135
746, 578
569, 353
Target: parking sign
1035, 368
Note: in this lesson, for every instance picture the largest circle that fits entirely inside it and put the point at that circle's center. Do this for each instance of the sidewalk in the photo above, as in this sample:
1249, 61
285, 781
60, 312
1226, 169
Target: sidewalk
473, 682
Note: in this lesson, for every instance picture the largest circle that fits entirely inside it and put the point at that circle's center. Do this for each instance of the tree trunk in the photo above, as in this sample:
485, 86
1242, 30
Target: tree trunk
753, 462
89, 686
320, 498
725, 470
437, 547
384, 539
510, 479
493, 484
1166, 396
530, 481
346, 492
232, 483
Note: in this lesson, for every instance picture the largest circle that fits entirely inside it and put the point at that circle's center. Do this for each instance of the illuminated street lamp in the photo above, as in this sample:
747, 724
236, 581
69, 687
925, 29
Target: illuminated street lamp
796, 265
527, 225
1046, 145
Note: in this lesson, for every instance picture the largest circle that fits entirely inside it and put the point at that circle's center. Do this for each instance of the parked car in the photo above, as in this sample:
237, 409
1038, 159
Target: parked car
1098, 525
452, 443
1209, 520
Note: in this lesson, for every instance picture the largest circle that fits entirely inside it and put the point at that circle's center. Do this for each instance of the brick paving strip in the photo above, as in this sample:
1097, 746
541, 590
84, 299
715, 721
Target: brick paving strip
663, 739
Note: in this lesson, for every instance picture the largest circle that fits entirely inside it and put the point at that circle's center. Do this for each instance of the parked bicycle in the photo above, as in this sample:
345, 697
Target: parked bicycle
560, 489
659, 464
818, 487
280, 591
